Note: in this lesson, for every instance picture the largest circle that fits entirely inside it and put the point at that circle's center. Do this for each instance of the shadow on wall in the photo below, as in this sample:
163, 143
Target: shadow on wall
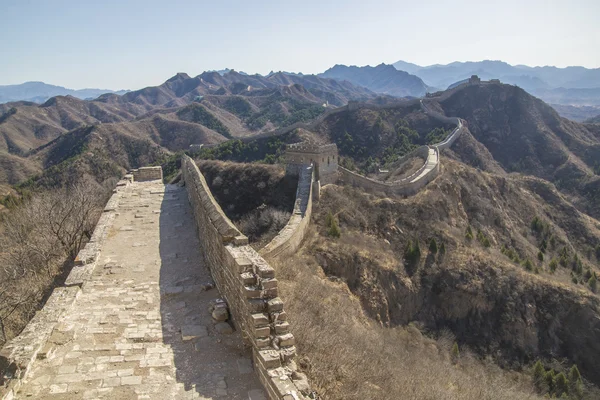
208, 362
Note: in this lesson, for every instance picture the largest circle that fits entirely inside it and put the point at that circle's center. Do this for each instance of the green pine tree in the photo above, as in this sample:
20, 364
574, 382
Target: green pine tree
442, 248
539, 376
575, 382
550, 380
469, 233
561, 384
455, 353
433, 247
553, 264
593, 283
540, 256
334, 229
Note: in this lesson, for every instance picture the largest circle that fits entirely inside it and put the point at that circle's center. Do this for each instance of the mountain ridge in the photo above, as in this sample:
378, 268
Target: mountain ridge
39, 92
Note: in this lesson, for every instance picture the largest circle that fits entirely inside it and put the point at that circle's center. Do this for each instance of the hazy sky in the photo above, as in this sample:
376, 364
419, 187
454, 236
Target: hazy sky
126, 44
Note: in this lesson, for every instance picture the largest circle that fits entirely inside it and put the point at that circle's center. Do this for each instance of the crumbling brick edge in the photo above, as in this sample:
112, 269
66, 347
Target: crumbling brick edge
248, 284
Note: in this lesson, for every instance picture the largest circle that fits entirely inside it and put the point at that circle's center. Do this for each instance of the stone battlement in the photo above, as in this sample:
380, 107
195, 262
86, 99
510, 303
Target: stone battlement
147, 174
309, 147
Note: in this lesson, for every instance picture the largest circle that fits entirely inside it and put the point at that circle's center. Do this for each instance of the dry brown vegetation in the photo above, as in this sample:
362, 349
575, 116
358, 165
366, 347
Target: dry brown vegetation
374, 324
38, 241
349, 356
258, 198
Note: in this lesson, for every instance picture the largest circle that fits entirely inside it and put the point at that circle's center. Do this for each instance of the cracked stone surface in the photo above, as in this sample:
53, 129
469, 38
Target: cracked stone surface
141, 327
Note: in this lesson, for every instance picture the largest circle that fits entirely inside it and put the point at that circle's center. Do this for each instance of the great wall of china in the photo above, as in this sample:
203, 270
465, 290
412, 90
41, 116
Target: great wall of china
142, 346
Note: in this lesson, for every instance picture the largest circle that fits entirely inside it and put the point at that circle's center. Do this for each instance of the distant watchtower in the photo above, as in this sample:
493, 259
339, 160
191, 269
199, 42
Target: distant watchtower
323, 157
474, 80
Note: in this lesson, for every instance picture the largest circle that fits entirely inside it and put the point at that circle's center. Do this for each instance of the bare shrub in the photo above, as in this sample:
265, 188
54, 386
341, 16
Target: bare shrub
263, 223
37, 241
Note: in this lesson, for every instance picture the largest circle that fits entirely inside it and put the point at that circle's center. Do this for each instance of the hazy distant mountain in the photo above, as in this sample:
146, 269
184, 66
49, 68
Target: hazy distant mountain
571, 86
381, 79
39, 92
521, 75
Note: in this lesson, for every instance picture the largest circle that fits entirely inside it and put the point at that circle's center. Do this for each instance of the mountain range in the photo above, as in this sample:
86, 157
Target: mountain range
39, 92
574, 86
115, 131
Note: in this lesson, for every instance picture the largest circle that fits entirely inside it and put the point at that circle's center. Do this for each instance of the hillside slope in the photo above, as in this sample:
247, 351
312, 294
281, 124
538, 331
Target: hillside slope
523, 134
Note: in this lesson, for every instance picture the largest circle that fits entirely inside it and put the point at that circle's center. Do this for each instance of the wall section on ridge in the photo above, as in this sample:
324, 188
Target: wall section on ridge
248, 284
288, 240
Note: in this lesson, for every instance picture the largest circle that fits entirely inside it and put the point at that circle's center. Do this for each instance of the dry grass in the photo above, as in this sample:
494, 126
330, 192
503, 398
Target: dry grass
348, 356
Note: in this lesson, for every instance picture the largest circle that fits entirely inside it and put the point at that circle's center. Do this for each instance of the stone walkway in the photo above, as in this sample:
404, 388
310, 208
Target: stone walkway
431, 163
141, 327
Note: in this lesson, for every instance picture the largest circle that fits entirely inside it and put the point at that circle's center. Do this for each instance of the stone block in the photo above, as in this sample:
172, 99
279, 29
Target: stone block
248, 279
279, 316
282, 327
271, 293
266, 272
269, 283
252, 293
262, 343
286, 340
257, 305
220, 314
262, 332
275, 305
223, 328
269, 358
243, 264
260, 319
189, 332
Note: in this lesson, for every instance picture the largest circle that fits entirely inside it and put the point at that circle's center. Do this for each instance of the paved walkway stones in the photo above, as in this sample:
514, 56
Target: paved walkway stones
141, 327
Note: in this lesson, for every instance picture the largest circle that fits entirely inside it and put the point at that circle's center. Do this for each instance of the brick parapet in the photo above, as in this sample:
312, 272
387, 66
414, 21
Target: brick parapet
147, 174
248, 284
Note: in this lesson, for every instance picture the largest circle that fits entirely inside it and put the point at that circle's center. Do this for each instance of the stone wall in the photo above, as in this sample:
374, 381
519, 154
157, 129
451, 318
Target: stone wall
147, 174
403, 187
448, 120
288, 240
413, 183
248, 284
35, 341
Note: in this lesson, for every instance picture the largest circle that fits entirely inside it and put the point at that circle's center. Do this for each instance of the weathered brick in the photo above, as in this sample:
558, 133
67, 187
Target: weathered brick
274, 305
281, 328
260, 319
262, 332
269, 359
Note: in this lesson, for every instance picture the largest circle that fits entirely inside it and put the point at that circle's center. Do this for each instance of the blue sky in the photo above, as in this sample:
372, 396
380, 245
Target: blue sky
132, 44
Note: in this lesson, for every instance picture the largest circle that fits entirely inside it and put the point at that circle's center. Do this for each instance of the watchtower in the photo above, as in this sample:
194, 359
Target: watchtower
474, 80
323, 157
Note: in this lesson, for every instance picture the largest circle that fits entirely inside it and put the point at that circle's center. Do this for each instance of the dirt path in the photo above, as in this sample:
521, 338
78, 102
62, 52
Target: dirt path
141, 328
